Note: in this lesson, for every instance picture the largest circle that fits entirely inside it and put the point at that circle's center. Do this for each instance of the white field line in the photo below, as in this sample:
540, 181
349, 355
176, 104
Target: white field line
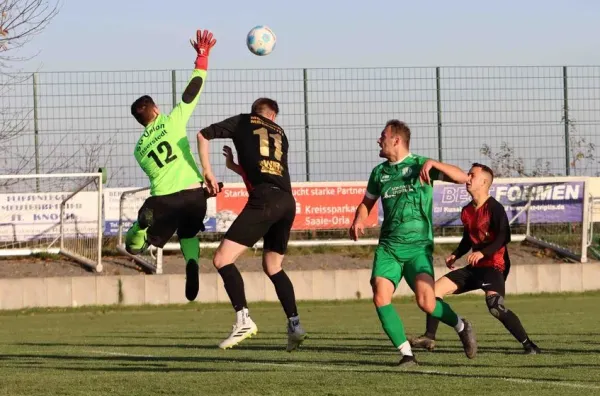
310, 367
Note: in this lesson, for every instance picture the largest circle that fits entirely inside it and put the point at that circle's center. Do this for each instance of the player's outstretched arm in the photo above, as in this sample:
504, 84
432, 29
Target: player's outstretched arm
236, 168
203, 152
191, 94
229, 162
436, 170
221, 130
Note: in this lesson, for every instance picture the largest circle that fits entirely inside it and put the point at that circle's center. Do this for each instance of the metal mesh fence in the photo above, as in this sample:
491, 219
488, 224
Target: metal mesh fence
522, 120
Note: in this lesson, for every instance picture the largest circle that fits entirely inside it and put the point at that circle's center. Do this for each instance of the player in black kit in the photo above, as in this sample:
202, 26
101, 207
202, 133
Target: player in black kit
262, 148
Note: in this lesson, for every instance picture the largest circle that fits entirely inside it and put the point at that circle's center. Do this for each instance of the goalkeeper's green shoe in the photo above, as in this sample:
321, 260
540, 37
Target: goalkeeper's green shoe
135, 240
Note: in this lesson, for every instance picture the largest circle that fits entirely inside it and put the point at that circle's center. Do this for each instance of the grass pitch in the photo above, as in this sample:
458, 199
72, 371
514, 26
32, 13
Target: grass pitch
172, 350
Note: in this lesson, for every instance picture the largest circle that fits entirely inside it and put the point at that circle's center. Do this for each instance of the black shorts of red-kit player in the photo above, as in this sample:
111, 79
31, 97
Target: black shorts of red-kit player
471, 278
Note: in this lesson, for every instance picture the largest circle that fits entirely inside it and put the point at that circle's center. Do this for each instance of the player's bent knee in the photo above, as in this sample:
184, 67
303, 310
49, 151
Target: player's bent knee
495, 304
227, 253
381, 300
271, 270
426, 303
383, 291
219, 260
272, 262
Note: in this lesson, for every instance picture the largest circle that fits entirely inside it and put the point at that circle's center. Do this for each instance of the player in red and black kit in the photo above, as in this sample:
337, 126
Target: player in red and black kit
262, 148
486, 232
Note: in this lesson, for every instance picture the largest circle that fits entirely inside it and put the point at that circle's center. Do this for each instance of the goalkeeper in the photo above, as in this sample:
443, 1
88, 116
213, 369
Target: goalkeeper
178, 197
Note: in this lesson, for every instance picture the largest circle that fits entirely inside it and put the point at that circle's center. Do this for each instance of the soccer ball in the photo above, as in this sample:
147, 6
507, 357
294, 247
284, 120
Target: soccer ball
261, 40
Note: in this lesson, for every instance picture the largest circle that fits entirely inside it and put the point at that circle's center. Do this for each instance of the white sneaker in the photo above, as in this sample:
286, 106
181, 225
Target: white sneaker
296, 336
244, 328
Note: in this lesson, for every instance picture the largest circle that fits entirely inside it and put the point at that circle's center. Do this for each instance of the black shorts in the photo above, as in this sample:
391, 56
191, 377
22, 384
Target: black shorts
268, 214
183, 211
471, 278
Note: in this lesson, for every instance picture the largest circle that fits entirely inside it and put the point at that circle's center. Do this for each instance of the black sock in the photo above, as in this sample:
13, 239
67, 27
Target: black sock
431, 324
234, 285
513, 324
285, 293
495, 303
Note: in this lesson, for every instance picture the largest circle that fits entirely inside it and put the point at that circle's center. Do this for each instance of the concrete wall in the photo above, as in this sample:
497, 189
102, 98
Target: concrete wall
309, 285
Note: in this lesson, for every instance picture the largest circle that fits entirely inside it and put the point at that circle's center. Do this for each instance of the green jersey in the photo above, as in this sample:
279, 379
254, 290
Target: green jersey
407, 205
163, 151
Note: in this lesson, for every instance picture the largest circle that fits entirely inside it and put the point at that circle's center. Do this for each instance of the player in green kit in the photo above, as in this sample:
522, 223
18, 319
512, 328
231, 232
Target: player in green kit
178, 197
405, 249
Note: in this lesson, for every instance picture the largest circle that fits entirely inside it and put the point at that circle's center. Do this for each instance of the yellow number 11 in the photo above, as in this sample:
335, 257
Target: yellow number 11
264, 136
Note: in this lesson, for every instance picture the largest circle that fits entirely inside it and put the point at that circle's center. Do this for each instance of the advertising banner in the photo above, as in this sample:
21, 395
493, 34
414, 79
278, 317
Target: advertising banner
318, 205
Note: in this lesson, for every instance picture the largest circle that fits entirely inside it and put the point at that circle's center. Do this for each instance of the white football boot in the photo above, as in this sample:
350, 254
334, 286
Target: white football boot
242, 329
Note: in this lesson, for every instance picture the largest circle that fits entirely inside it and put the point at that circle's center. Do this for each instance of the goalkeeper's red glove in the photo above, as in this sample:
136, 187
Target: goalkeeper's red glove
203, 44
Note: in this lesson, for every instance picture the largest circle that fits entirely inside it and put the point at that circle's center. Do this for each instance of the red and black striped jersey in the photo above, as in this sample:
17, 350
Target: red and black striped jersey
486, 230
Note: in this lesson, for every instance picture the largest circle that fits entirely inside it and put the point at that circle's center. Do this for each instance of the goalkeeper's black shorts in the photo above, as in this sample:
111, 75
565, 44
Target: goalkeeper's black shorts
183, 211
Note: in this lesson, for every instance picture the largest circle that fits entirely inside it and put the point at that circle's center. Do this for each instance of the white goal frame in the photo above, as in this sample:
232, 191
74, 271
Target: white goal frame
100, 178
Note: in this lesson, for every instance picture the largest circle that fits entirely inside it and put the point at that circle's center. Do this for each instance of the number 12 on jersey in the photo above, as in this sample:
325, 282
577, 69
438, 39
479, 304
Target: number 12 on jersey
264, 136
162, 146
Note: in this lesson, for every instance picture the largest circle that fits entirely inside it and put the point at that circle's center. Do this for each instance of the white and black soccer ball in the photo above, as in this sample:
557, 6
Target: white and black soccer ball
261, 40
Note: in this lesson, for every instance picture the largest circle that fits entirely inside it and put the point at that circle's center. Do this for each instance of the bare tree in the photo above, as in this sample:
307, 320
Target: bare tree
582, 158
506, 163
20, 21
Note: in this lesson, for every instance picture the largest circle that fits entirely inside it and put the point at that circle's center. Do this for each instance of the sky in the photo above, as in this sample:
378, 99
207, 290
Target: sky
149, 34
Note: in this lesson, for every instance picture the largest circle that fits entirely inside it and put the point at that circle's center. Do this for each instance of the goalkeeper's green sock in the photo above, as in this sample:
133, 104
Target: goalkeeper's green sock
392, 324
135, 240
190, 247
445, 314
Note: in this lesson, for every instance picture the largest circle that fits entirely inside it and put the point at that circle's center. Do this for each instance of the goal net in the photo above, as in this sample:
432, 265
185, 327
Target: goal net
57, 214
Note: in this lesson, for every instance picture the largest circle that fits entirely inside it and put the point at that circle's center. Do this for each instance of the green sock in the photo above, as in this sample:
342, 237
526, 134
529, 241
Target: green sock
135, 240
392, 324
190, 248
444, 313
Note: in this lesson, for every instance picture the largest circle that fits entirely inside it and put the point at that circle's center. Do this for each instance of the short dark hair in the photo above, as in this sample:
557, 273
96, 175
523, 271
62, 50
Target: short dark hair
484, 168
142, 108
261, 104
399, 128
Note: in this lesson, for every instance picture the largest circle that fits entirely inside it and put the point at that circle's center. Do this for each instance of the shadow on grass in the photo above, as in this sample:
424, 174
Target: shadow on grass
256, 344
249, 345
161, 364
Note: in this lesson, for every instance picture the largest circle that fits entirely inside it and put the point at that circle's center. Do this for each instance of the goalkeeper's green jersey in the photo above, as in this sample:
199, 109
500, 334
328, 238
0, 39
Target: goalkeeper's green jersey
163, 151
407, 205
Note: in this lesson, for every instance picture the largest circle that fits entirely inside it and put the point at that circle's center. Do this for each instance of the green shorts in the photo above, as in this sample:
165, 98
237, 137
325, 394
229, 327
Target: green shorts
394, 264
